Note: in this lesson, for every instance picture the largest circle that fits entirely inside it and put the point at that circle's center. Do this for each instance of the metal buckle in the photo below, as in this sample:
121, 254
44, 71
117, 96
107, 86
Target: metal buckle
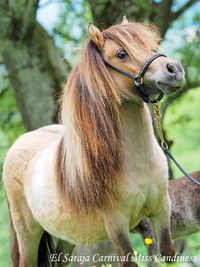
138, 80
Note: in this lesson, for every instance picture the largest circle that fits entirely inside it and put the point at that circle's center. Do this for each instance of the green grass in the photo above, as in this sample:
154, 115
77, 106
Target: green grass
192, 249
4, 232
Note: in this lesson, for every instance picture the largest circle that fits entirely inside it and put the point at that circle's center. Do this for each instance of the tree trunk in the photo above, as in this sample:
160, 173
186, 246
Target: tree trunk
36, 70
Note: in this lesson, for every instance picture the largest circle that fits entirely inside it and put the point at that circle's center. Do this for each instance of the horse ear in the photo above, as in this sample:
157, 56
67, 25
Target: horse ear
124, 20
96, 35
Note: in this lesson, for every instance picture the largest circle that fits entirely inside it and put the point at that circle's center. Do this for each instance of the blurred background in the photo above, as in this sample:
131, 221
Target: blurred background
39, 44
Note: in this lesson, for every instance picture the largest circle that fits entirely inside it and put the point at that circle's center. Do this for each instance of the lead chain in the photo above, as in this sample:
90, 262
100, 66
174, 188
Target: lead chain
158, 121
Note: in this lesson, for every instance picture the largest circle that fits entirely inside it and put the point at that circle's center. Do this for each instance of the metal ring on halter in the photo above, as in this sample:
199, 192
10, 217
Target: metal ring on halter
140, 80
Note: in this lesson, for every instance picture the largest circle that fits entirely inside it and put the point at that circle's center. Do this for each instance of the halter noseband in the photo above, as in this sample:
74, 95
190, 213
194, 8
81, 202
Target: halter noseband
138, 79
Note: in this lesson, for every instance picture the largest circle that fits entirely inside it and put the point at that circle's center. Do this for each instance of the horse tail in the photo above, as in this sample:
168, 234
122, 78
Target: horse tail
14, 245
46, 249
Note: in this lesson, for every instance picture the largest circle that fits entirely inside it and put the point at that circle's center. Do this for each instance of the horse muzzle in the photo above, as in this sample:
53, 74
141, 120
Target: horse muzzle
172, 79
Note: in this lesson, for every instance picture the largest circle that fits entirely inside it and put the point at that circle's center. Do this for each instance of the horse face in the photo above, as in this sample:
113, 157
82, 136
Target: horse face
164, 74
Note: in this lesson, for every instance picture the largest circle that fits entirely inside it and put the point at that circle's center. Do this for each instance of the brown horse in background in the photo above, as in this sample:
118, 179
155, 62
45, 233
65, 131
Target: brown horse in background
102, 171
185, 213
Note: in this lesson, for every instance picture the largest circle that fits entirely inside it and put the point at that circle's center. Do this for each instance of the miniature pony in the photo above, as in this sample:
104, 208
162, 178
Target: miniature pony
97, 175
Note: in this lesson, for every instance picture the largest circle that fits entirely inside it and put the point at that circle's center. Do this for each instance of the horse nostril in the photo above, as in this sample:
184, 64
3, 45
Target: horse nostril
171, 68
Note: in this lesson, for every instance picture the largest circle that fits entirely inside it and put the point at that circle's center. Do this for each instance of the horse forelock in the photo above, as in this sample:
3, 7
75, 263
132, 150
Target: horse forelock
89, 158
134, 37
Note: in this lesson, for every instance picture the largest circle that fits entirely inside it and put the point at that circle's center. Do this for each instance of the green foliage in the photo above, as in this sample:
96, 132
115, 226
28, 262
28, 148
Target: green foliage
4, 232
182, 125
72, 25
11, 127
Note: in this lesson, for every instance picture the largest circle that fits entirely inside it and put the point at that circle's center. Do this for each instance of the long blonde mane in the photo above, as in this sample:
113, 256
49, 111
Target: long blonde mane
89, 158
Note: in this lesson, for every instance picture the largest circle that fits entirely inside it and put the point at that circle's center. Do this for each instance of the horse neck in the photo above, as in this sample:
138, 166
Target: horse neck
136, 126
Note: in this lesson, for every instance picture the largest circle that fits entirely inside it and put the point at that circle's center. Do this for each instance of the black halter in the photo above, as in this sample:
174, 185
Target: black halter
138, 79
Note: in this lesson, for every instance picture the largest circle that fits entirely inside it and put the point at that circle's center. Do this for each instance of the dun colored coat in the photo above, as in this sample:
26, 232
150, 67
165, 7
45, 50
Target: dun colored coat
100, 172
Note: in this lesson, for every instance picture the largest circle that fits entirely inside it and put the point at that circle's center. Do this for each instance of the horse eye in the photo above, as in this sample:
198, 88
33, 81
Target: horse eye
121, 54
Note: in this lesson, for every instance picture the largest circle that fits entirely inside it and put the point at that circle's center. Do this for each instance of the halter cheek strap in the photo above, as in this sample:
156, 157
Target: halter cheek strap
138, 79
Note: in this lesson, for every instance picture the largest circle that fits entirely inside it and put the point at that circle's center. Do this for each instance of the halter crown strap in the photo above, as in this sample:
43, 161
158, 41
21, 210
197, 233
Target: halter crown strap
138, 79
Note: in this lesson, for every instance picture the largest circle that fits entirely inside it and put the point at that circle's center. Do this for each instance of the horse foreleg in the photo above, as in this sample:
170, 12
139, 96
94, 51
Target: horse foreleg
27, 231
117, 229
161, 226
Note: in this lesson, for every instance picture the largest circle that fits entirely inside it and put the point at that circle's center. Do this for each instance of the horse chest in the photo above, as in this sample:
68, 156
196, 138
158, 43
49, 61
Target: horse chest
142, 196
145, 165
